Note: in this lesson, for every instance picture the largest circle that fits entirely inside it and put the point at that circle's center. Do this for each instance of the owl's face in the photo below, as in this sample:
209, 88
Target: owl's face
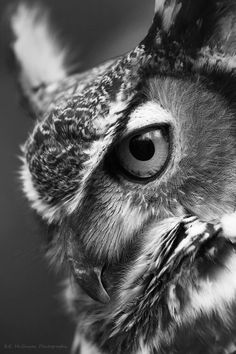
134, 166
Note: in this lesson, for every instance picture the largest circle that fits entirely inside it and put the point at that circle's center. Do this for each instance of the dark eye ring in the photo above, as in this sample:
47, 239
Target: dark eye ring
144, 154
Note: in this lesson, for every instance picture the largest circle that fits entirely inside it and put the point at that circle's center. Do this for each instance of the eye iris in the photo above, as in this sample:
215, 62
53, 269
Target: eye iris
142, 148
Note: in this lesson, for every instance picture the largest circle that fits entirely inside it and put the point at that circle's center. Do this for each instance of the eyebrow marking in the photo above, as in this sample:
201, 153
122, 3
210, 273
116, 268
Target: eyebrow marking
149, 113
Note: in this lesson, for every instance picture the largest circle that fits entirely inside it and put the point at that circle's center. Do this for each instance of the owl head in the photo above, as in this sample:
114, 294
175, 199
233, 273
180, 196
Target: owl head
133, 164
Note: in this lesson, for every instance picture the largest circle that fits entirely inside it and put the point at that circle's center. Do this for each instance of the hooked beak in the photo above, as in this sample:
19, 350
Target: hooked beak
89, 278
86, 271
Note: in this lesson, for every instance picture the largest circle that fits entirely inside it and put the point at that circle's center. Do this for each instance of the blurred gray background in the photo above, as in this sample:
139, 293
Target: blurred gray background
31, 315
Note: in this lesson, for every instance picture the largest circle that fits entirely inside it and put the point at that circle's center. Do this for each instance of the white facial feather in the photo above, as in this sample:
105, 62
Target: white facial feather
215, 58
149, 113
229, 226
82, 346
96, 152
215, 295
143, 348
47, 212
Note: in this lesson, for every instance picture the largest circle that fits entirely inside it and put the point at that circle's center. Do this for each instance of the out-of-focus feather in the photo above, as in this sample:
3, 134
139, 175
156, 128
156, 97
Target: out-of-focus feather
41, 56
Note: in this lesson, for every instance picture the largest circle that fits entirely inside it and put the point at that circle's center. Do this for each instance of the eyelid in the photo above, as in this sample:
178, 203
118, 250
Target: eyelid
164, 128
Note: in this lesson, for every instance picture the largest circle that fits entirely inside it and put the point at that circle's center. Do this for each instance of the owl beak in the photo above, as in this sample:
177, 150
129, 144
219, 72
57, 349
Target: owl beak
88, 275
89, 278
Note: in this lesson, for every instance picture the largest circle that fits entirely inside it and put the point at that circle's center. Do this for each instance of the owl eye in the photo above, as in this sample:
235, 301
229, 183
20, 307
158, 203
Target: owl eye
144, 154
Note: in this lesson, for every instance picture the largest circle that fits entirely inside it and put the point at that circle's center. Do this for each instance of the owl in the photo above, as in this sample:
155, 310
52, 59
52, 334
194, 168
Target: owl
132, 165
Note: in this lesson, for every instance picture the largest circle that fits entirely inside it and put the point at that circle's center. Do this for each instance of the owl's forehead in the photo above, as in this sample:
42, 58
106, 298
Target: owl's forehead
84, 101
91, 102
99, 102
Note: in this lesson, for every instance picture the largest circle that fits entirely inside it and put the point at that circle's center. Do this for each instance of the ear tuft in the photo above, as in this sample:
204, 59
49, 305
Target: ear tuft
205, 27
38, 52
168, 11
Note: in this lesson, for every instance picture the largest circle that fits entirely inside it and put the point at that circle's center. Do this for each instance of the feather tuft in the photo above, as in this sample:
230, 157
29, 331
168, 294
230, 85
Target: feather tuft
37, 49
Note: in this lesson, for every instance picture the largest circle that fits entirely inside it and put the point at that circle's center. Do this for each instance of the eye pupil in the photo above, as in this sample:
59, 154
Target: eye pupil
142, 148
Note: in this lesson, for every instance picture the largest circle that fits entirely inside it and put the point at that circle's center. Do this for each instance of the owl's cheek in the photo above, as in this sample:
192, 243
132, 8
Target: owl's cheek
207, 206
206, 290
99, 240
211, 286
215, 293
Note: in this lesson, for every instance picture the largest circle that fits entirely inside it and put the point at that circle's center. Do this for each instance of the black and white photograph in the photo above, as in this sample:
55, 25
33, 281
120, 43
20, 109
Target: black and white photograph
118, 176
